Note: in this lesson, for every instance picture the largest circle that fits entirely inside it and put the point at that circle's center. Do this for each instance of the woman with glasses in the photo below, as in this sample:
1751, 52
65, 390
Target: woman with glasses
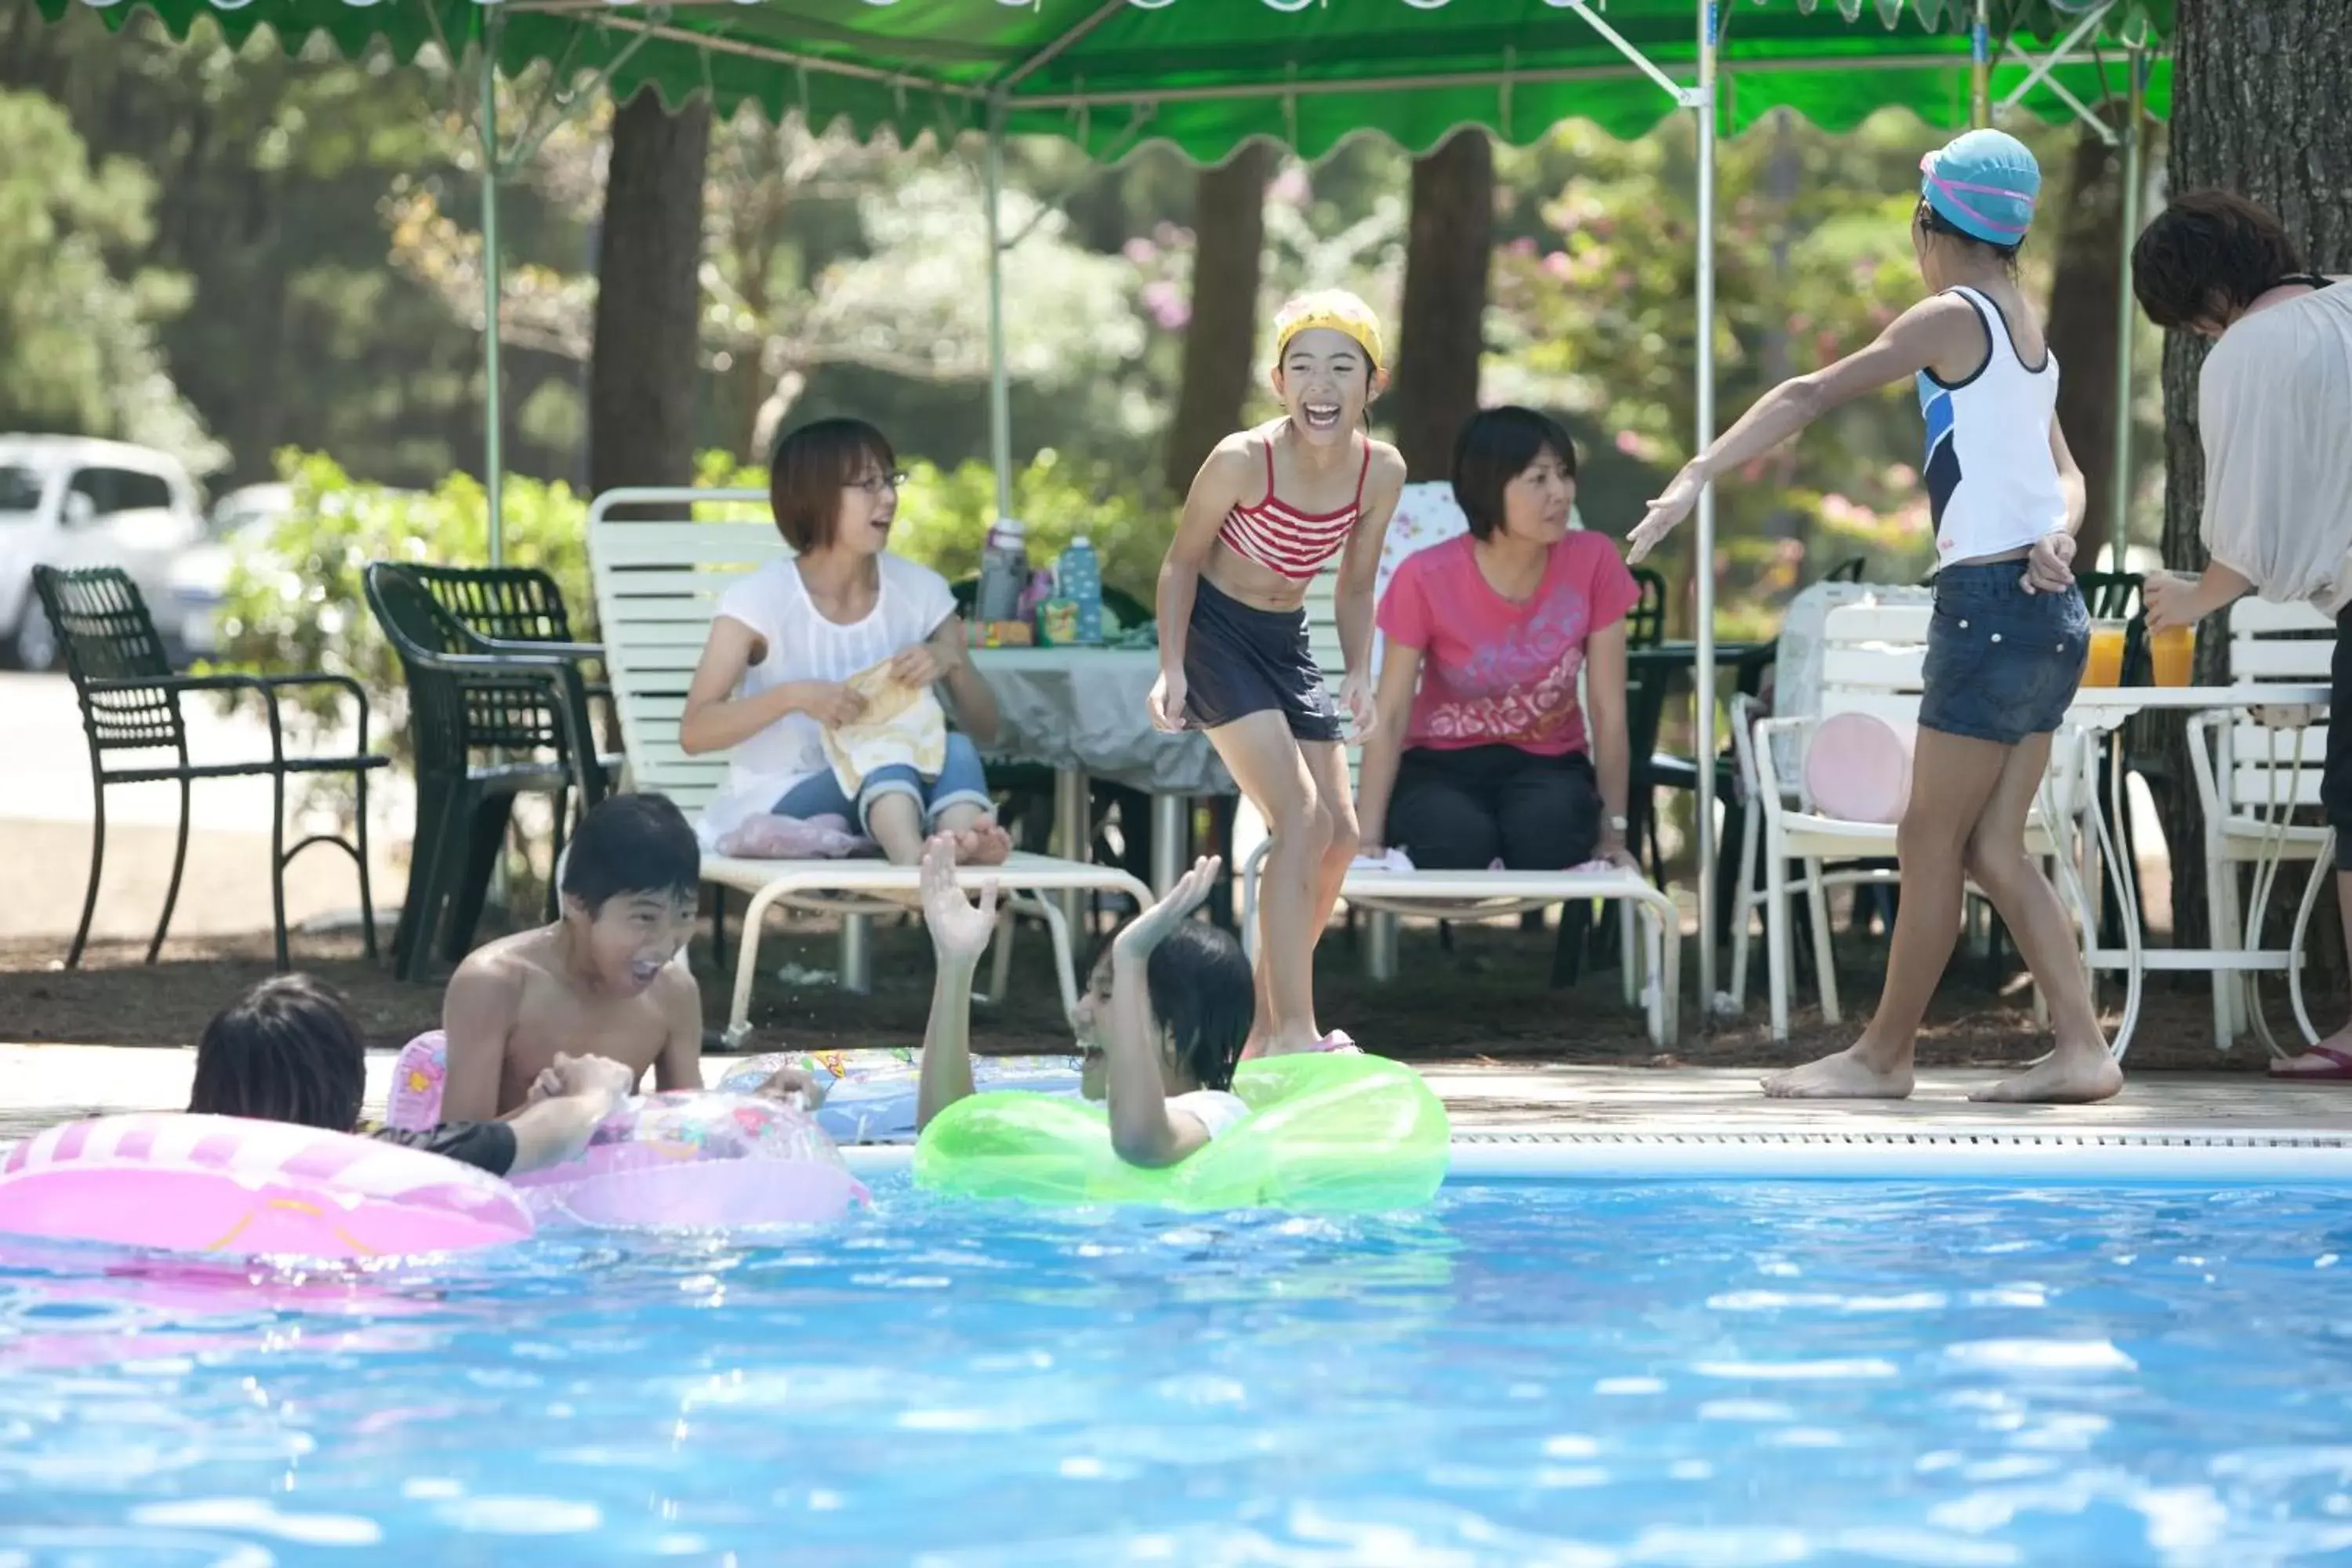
775, 674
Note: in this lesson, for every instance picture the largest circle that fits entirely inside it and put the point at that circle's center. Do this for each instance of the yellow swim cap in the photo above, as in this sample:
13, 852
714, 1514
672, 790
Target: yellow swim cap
1336, 310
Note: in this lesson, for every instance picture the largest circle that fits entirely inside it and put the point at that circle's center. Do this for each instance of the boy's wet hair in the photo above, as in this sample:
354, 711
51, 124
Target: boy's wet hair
287, 1050
1496, 447
632, 844
2210, 254
1202, 993
1930, 221
810, 469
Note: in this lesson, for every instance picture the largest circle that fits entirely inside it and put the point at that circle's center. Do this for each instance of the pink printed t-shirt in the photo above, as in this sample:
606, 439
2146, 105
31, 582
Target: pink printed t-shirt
1494, 672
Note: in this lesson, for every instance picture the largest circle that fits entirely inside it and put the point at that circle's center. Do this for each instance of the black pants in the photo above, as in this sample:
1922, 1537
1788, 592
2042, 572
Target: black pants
1464, 810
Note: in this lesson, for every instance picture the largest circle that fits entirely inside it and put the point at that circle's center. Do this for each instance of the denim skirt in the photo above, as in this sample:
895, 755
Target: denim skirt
2002, 664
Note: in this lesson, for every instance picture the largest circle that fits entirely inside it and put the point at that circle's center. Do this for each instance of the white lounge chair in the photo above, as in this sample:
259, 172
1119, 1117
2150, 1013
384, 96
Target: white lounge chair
659, 575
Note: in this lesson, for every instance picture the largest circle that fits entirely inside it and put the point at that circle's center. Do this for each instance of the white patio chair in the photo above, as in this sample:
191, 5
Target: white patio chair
1871, 663
2255, 774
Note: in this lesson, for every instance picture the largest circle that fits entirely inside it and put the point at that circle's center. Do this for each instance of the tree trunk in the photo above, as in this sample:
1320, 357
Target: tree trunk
1443, 333
644, 380
2082, 326
1221, 338
2257, 108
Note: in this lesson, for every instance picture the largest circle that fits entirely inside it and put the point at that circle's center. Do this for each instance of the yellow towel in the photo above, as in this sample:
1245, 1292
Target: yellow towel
902, 724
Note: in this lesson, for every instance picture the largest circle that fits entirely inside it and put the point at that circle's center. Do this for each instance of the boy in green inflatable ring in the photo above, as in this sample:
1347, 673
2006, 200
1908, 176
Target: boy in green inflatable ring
1178, 1012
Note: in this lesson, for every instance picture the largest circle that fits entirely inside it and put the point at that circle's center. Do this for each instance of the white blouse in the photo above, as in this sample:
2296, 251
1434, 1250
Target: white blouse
2274, 407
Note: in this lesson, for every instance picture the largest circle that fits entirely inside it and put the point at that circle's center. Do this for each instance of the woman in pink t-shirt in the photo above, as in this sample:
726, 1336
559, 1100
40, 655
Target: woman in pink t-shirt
1483, 751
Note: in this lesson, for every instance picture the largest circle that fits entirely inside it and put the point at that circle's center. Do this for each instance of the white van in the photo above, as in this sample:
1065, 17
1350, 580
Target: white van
68, 502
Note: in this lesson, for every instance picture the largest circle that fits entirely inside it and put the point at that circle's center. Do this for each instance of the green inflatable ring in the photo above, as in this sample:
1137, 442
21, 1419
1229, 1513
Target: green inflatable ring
1330, 1133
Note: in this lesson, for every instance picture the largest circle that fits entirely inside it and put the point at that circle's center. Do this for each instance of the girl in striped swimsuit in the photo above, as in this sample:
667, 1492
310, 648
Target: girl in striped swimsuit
1270, 509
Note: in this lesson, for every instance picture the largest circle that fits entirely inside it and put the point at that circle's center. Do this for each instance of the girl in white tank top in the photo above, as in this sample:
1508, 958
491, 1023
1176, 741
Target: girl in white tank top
1992, 471
2010, 635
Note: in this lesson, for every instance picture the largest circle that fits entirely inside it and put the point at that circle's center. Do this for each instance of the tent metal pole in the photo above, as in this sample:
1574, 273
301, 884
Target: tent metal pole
1980, 67
2042, 67
1704, 563
1000, 388
2119, 485
493, 458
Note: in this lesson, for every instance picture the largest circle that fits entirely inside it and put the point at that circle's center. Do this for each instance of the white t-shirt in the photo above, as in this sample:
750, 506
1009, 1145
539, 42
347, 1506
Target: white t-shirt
803, 646
1216, 1110
2273, 403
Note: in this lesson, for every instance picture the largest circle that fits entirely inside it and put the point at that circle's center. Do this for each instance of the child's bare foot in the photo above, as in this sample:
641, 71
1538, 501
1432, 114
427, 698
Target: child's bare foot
2077, 1075
982, 844
1285, 1042
1849, 1075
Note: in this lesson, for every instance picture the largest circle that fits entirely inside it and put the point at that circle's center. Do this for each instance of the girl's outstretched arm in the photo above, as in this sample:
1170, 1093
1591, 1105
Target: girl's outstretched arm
960, 933
1944, 330
1143, 1130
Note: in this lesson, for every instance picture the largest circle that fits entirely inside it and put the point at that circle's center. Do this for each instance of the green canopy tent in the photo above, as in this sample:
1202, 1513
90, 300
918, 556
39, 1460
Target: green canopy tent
1208, 76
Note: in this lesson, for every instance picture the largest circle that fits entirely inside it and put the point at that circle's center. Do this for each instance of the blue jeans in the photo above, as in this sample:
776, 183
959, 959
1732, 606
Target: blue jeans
960, 781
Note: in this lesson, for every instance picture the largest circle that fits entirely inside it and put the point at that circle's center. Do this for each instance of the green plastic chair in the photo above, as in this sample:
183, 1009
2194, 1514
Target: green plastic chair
488, 723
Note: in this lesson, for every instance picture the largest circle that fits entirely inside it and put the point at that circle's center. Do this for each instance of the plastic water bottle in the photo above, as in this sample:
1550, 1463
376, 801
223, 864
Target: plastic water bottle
1004, 571
1079, 578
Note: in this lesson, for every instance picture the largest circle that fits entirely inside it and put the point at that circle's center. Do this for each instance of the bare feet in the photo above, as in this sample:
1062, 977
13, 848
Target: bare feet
2076, 1075
982, 844
1845, 1076
1283, 1044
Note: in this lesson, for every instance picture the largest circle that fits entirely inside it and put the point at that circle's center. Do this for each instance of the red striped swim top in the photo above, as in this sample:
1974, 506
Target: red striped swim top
1281, 538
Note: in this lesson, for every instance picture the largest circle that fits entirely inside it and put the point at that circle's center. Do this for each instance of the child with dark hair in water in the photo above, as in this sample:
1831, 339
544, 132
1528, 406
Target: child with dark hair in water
1162, 1026
599, 981
287, 1050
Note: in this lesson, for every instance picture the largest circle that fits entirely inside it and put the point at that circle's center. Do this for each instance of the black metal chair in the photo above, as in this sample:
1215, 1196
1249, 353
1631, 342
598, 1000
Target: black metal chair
130, 702
522, 606
491, 719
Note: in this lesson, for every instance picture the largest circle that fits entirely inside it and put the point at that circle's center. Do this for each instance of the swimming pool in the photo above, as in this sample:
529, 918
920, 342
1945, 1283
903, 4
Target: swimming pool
1589, 1373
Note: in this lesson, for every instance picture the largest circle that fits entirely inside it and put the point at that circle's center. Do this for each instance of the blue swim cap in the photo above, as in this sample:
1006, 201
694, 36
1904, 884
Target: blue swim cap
1984, 185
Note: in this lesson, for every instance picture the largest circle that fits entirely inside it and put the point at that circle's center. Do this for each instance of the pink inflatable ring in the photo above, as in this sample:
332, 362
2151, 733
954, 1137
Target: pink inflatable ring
228, 1186
698, 1160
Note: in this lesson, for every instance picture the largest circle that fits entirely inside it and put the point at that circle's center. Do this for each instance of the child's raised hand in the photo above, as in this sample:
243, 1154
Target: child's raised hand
1150, 928
960, 929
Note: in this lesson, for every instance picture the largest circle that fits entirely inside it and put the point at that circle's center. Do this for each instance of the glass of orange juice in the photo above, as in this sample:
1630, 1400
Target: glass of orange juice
2107, 663
2172, 653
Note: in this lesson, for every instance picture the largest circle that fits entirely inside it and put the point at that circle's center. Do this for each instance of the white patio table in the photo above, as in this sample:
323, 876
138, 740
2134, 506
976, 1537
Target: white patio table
1081, 712
2102, 711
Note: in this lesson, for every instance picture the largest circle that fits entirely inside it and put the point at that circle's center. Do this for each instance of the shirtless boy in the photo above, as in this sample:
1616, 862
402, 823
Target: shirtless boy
599, 981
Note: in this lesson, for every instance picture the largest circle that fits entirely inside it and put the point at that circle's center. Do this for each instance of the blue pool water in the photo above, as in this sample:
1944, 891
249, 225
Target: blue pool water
1529, 1373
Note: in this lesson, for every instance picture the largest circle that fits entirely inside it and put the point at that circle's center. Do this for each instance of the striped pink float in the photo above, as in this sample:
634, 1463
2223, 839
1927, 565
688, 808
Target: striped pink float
227, 1186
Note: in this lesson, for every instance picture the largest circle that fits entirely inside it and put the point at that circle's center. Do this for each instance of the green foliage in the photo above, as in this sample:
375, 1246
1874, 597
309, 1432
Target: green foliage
295, 599
944, 515
296, 603
77, 337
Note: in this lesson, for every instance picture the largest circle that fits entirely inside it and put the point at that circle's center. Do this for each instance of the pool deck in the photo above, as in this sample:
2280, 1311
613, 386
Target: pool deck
42, 1085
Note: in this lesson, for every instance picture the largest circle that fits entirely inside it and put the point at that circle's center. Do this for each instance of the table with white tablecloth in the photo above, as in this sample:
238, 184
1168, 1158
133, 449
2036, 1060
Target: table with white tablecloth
1082, 713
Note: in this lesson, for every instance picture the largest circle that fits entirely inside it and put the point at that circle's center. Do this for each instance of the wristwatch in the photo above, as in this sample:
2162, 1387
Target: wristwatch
1617, 824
